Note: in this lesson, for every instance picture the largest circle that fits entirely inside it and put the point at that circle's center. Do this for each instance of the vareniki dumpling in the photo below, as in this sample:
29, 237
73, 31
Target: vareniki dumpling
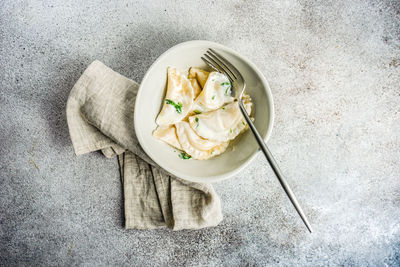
223, 124
196, 87
196, 146
216, 93
178, 100
200, 75
198, 78
168, 135
199, 115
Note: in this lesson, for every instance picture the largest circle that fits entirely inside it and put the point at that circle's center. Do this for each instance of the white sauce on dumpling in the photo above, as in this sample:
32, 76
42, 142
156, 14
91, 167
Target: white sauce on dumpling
178, 100
196, 146
215, 94
221, 125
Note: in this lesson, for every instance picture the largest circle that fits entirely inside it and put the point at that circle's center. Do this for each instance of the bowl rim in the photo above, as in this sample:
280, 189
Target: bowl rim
212, 178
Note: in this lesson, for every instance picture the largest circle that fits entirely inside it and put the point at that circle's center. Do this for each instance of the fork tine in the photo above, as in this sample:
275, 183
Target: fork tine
221, 68
221, 63
210, 64
227, 63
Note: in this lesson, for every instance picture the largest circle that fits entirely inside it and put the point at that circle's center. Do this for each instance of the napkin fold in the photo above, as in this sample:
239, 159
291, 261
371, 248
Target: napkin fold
100, 117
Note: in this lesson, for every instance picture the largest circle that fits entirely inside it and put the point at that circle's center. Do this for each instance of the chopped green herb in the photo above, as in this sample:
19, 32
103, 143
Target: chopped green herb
228, 87
223, 108
183, 155
197, 121
230, 130
197, 111
213, 97
178, 106
212, 152
243, 123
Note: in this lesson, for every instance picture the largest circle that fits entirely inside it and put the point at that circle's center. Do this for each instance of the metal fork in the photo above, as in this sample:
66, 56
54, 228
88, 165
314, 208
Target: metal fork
222, 65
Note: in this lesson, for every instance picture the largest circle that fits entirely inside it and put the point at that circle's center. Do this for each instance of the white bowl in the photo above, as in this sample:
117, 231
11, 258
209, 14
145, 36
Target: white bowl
149, 102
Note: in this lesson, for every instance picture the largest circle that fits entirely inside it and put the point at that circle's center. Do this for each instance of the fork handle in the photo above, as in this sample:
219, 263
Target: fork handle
275, 167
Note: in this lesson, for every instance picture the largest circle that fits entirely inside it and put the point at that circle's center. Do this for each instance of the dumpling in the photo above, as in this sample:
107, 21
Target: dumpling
199, 115
196, 87
178, 100
198, 78
216, 93
168, 135
223, 124
198, 74
196, 146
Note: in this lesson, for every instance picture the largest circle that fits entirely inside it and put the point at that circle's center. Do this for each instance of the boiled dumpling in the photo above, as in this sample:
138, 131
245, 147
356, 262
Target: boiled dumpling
198, 78
196, 146
216, 93
198, 74
168, 135
196, 87
223, 124
178, 100
199, 116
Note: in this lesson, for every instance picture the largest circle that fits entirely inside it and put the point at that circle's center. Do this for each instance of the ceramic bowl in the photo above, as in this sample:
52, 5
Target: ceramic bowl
150, 98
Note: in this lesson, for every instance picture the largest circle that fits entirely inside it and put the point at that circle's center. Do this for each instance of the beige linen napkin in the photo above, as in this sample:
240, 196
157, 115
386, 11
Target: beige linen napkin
100, 117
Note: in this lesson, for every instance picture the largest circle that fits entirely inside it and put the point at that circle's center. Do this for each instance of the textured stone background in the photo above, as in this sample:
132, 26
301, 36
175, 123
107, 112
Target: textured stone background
334, 70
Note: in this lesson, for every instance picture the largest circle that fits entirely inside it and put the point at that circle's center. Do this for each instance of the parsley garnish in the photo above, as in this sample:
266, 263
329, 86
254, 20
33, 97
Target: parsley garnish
230, 130
183, 155
197, 121
178, 106
223, 108
213, 97
228, 87
243, 123
197, 111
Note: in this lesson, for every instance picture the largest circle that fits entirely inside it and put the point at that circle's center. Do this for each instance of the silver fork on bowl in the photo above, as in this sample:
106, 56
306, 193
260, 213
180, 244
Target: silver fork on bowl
238, 84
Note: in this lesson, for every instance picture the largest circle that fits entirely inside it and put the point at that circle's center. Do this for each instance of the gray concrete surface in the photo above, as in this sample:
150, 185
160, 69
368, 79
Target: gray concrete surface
334, 69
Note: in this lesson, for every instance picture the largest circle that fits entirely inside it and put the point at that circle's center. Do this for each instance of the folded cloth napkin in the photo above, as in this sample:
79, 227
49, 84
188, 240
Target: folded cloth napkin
100, 117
